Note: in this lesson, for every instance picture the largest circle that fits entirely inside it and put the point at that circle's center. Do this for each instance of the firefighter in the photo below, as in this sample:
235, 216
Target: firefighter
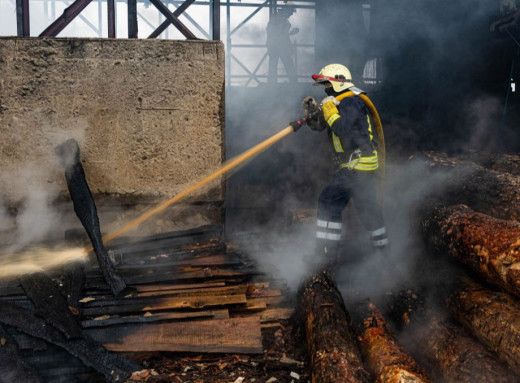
354, 153
279, 46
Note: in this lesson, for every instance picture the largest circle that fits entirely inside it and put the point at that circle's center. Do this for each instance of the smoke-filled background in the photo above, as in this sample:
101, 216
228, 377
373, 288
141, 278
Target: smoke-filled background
440, 81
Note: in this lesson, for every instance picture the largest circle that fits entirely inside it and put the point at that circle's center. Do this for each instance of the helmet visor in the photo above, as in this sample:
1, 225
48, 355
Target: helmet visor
318, 79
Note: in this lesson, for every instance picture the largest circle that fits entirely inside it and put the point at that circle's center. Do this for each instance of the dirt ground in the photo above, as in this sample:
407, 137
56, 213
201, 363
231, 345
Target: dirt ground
283, 360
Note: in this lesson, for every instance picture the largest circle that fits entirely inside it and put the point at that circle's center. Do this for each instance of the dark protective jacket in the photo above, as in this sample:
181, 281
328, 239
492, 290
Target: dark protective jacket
351, 136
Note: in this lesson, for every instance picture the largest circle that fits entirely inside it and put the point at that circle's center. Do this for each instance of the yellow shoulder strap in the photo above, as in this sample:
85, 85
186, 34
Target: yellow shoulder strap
379, 129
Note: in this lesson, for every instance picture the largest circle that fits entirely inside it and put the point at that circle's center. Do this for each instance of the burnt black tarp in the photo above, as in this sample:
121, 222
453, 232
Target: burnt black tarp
12, 367
85, 209
114, 367
50, 304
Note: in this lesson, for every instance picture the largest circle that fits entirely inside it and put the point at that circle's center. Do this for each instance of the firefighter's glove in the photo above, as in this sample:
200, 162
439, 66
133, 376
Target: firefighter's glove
309, 105
296, 125
315, 119
330, 110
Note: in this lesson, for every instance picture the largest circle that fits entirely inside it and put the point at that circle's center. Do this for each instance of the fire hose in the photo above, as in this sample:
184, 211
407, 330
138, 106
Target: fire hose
248, 154
233, 163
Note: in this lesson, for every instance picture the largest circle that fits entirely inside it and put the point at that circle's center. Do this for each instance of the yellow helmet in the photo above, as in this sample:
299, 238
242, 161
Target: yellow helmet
338, 75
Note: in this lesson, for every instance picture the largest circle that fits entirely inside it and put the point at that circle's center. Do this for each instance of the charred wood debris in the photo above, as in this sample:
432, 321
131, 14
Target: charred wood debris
166, 307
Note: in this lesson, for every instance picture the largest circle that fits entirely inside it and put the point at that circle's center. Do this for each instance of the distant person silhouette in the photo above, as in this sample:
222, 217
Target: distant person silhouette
279, 45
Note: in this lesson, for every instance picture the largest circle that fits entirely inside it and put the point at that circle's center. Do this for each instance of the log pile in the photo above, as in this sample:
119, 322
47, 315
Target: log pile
475, 222
449, 351
485, 190
330, 339
187, 291
488, 246
492, 316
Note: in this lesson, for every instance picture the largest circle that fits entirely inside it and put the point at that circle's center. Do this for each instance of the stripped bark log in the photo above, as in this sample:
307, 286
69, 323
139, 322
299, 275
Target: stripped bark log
491, 316
85, 209
488, 246
331, 344
451, 353
384, 358
484, 190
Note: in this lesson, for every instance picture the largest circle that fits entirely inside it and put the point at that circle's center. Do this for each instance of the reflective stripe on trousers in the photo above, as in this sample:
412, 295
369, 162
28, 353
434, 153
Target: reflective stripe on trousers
328, 230
379, 237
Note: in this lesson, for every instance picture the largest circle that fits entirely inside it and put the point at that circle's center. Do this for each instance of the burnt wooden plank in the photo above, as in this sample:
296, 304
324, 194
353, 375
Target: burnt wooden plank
73, 283
489, 246
179, 246
85, 209
235, 335
112, 366
50, 304
155, 317
267, 314
159, 287
493, 317
13, 369
226, 290
330, 340
140, 305
167, 260
203, 273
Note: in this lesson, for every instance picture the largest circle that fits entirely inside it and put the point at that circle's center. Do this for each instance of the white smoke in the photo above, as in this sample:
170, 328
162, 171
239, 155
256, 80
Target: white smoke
483, 116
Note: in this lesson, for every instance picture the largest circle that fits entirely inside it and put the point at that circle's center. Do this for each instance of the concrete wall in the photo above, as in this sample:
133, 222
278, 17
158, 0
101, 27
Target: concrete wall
148, 115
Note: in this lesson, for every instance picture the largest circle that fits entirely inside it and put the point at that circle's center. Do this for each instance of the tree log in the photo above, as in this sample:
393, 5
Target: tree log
331, 344
384, 358
484, 190
503, 163
488, 246
492, 316
451, 353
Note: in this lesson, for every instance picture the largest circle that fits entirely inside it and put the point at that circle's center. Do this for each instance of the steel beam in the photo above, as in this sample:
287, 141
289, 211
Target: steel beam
166, 23
111, 19
67, 16
22, 18
132, 19
215, 21
173, 19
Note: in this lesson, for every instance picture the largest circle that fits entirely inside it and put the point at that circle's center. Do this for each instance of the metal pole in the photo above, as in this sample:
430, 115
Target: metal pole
22, 18
215, 20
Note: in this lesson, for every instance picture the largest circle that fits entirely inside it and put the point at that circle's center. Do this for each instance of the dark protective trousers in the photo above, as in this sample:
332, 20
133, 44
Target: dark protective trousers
347, 184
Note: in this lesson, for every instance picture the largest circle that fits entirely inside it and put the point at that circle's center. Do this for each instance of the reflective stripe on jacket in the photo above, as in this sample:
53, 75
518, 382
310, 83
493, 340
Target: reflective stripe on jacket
352, 137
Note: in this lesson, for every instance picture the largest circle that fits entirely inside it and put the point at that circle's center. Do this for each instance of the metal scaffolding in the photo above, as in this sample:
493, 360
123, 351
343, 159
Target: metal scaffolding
244, 40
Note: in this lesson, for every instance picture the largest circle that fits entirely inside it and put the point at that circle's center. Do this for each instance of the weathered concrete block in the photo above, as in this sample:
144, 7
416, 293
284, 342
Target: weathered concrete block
148, 114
